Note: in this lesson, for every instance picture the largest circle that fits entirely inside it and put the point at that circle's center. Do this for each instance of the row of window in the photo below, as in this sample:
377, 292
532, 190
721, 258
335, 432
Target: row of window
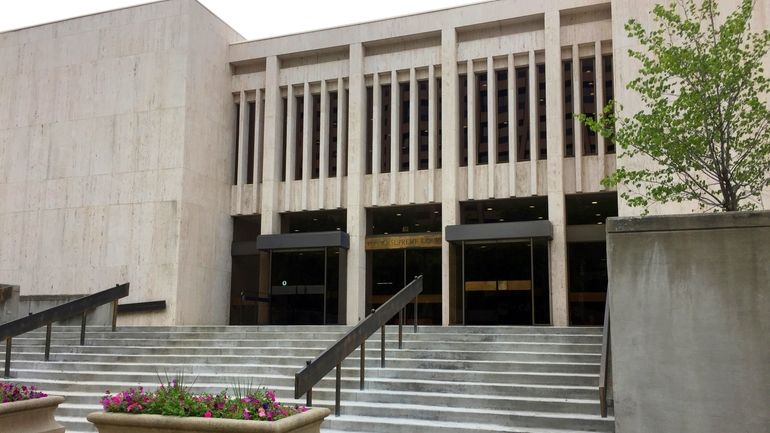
521, 116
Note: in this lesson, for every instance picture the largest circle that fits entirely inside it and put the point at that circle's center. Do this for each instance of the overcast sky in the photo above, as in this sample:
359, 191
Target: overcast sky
255, 19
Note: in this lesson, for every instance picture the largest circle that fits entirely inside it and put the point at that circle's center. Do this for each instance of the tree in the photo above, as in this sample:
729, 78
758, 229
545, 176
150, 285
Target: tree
705, 124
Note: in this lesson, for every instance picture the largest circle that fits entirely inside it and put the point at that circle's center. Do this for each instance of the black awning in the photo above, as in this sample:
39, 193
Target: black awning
309, 240
499, 231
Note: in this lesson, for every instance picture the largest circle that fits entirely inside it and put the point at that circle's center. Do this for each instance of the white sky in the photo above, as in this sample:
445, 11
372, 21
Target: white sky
255, 19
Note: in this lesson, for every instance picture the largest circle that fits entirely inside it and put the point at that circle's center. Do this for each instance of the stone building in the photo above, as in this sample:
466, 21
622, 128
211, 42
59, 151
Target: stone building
306, 178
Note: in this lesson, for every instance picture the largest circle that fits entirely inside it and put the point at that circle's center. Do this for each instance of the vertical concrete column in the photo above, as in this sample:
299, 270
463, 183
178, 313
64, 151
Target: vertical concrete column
577, 131
271, 223
450, 158
395, 134
414, 121
533, 122
240, 177
323, 158
513, 138
356, 213
291, 137
342, 135
471, 130
258, 142
599, 93
432, 120
376, 137
491, 125
556, 207
307, 142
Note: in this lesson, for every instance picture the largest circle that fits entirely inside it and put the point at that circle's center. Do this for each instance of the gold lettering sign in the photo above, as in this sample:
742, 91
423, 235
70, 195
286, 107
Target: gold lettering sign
397, 242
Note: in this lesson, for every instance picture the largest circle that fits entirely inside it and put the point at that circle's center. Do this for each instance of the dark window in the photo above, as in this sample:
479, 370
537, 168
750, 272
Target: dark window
250, 156
315, 149
609, 92
542, 143
237, 135
502, 115
464, 120
438, 120
422, 127
569, 136
403, 154
299, 136
285, 145
385, 129
588, 103
522, 113
369, 130
333, 134
482, 119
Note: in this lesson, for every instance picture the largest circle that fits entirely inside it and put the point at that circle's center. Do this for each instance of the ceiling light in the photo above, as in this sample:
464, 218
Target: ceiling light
598, 214
490, 209
531, 206
385, 233
338, 228
539, 218
501, 219
315, 219
594, 202
417, 224
398, 214
435, 211
600, 223
296, 230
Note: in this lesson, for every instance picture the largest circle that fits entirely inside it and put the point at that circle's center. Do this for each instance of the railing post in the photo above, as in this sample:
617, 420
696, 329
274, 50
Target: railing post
114, 315
83, 329
337, 391
382, 347
48, 341
363, 363
415, 314
309, 394
400, 330
8, 357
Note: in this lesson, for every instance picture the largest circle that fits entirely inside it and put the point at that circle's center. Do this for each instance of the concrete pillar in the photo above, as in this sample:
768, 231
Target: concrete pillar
323, 158
556, 207
512, 127
450, 156
491, 126
270, 222
342, 135
432, 121
258, 130
533, 122
307, 142
599, 92
376, 137
356, 213
577, 131
291, 137
414, 122
395, 134
243, 149
471, 130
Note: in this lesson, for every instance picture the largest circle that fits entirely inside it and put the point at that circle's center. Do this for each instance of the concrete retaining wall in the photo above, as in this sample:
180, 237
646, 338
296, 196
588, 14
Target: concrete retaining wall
690, 306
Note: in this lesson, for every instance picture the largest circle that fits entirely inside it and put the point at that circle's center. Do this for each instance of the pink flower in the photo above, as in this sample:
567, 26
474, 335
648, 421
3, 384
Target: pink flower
261, 412
246, 414
207, 414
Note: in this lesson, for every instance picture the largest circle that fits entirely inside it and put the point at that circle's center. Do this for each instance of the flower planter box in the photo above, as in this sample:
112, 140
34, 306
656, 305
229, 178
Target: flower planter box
31, 416
306, 422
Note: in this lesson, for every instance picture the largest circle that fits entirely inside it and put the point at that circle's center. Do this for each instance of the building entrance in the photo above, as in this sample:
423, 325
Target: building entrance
506, 282
391, 270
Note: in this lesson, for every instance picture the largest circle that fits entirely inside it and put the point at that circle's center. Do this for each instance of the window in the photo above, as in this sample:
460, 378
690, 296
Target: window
522, 114
588, 103
569, 136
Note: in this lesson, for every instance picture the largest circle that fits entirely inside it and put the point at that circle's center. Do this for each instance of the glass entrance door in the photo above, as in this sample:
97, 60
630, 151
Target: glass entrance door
506, 283
391, 270
303, 287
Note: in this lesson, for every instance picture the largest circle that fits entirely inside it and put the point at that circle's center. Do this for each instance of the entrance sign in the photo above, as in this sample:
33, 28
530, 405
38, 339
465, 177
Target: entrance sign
397, 242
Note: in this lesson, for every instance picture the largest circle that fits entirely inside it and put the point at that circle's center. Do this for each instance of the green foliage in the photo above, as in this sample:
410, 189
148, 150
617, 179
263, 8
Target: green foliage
706, 124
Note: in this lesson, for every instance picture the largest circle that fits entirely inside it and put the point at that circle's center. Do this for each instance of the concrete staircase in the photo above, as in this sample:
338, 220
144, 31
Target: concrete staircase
444, 380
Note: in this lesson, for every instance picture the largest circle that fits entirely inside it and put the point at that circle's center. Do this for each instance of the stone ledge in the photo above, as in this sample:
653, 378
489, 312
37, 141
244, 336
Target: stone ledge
686, 222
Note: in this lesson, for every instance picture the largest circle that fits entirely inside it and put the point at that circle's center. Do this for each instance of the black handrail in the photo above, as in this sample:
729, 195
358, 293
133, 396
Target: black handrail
58, 313
305, 379
604, 366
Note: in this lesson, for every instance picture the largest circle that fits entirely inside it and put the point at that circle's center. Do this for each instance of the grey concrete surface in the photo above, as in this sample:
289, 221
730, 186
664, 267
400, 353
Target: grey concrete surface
690, 304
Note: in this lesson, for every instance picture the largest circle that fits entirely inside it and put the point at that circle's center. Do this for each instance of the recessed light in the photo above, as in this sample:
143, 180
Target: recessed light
338, 228
501, 219
490, 209
385, 233
435, 211
296, 230
600, 223
315, 219
398, 214
594, 202
417, 224
531, 206
539, 218
598, 214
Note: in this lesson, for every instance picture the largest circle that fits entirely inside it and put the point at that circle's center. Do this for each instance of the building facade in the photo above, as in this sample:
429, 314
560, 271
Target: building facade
307, 178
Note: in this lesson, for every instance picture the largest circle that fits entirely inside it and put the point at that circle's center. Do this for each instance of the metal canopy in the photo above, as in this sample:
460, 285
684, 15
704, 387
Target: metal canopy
499, 231
297, 241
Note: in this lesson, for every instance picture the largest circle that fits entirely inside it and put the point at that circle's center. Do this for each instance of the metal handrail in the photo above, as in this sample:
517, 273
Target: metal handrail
315, 370
58, 313
604, 366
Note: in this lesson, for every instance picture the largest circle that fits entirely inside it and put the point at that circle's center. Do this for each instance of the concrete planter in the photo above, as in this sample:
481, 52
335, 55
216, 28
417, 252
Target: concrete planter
690, 322
306, 422
31, 416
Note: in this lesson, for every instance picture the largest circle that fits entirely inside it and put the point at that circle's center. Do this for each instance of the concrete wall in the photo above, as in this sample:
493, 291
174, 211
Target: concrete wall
689, 299
98, 151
